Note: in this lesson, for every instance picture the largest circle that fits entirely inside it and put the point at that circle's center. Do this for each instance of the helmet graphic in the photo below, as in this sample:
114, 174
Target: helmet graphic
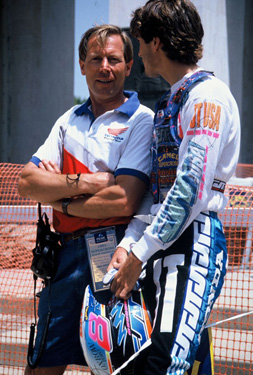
110, 333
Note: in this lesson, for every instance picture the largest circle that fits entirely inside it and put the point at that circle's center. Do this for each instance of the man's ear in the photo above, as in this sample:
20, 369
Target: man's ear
156, 43
129, 67
82, 67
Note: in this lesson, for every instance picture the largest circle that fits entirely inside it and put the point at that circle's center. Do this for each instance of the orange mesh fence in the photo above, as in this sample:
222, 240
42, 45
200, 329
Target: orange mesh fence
18, 218
232, 340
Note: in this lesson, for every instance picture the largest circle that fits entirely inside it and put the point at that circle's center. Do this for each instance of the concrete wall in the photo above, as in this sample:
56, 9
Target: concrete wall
37, 49
247, 85
37, 52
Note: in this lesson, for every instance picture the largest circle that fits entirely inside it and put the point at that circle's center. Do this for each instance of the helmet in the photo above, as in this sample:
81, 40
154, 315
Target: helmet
111, 332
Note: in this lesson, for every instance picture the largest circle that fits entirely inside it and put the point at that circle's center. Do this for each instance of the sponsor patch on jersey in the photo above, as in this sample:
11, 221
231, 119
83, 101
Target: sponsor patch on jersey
206, 116
116, 129
160, 113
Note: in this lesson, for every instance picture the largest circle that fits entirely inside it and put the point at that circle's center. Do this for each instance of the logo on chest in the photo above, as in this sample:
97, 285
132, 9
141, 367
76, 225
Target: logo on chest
114, 132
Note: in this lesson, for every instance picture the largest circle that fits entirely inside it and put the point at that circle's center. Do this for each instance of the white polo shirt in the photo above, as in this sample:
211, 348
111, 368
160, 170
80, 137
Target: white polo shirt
118, 141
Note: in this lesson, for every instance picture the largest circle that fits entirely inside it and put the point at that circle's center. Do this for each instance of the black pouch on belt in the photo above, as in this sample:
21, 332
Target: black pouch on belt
44, 267
47, 247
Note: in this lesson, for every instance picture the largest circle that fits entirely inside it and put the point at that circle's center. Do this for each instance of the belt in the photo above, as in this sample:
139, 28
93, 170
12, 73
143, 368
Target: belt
81, 232
75, 235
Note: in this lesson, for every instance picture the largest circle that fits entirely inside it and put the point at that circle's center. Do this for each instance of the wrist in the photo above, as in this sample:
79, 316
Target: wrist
65, 203
133, 257
71, 179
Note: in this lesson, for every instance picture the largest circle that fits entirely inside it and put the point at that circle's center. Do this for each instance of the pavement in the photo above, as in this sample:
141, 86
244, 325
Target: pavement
233, 341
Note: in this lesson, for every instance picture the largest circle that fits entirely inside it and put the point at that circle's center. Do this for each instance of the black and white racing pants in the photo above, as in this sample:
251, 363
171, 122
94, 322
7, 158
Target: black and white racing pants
180, 288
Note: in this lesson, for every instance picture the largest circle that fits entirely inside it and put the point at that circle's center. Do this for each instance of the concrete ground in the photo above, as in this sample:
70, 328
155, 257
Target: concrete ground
233, 341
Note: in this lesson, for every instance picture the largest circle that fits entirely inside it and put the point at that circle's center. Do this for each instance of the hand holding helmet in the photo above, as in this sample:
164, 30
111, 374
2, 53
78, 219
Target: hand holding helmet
112, 332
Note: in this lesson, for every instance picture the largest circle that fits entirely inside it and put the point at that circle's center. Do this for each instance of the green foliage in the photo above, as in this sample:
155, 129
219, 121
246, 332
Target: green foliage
78, 100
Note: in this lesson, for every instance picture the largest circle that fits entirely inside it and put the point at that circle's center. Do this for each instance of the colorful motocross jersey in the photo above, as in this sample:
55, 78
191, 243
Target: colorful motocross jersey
118, 141
167, 139
205, 136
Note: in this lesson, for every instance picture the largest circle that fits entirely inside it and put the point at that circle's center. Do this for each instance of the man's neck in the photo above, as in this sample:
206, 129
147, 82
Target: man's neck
173, 71
99, 107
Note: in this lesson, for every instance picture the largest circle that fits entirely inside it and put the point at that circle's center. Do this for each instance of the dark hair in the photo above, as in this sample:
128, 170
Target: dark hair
176, 23
102, 32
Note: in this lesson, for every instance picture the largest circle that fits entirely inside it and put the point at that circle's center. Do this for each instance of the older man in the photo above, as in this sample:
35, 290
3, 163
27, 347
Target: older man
93, 169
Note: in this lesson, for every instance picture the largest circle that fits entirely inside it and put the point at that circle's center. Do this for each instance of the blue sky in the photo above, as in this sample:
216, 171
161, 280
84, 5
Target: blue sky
87, 14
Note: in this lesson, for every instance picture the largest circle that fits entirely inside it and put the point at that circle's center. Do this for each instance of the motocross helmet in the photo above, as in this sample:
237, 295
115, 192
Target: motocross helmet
111, 332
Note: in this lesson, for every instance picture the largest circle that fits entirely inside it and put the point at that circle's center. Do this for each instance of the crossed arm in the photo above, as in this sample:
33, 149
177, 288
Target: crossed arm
96, 196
